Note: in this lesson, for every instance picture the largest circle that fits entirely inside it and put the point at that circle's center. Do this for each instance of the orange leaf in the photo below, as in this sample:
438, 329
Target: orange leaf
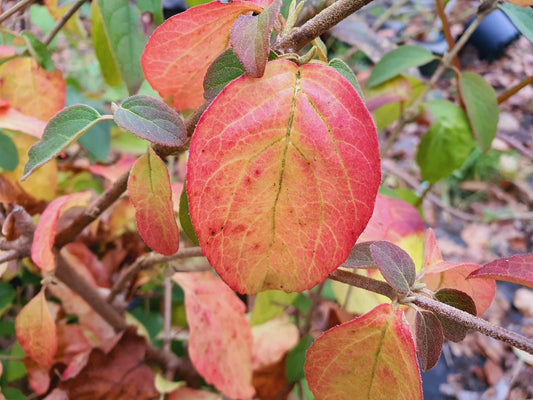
179, 52
36, 331
16, 121
371, 357
32, 90
521, 3
43, 240
220, 342
443, 274
151, 195
282, 177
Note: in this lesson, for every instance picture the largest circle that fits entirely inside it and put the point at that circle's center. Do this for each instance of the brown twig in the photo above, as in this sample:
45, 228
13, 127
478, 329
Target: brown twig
62, 21
316, 297
150, 260
439, 308
21, 5
319, 24
515, 89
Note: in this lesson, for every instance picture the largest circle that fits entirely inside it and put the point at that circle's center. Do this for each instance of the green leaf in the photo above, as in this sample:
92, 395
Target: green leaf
118, 42
151, 119
481, 108
62, 130
296, 359
522, 18
224, 69
13, 394
269, 304
9, 158
154, 7
447, 143
342, 68
97, 140
7, 295
452, 330
185, 217
38, 51
397, 61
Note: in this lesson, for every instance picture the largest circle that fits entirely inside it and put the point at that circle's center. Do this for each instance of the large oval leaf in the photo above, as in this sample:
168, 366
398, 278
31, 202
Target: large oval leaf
481, 108
282, 177
179, 52
220, 341
370, 357
517, 269
151, 195
521, 17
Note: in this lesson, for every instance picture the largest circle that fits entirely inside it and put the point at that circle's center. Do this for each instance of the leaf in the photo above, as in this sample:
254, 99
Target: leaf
38, 51
269, 304
287, 206
397, 61
360, 256
16, 121
185, 217
179, 52
452, 330
272, 340
250, 38
151, 195
220, 341
120, 374
396, 266
429, 339
447, 143
224, 69
296, 359
151, 119
40, 97
9, 158
193, 394
521, 17
432, 254
118, 42
42, 184
62, 130
36, 331
481, 108
371, 357
517, 269
58, 9
43, 240
342, 68
7, 296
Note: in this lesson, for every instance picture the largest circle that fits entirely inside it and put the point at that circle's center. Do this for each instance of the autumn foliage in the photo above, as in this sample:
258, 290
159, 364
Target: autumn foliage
279, 189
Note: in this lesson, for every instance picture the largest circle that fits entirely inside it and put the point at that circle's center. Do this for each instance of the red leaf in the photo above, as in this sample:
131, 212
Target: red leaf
151, 195
371, 357
36, 331
517, 269
282, 177
43, 240
250, 39
41, 97
113, 172
220, 342
179, 52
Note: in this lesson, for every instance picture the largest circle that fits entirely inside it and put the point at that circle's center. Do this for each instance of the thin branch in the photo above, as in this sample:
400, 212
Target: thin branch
148, 261
316, 297
62, 21
447, 33
9, 255
439, 308
389, 12
515, 89
93, 211
22, 4
167, 317
516, 144
318, 25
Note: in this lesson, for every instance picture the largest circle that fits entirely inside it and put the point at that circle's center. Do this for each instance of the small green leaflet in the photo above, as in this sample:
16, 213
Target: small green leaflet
9, 158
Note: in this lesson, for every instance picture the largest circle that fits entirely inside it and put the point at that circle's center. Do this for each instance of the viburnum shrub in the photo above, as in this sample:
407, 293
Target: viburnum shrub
280, 195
